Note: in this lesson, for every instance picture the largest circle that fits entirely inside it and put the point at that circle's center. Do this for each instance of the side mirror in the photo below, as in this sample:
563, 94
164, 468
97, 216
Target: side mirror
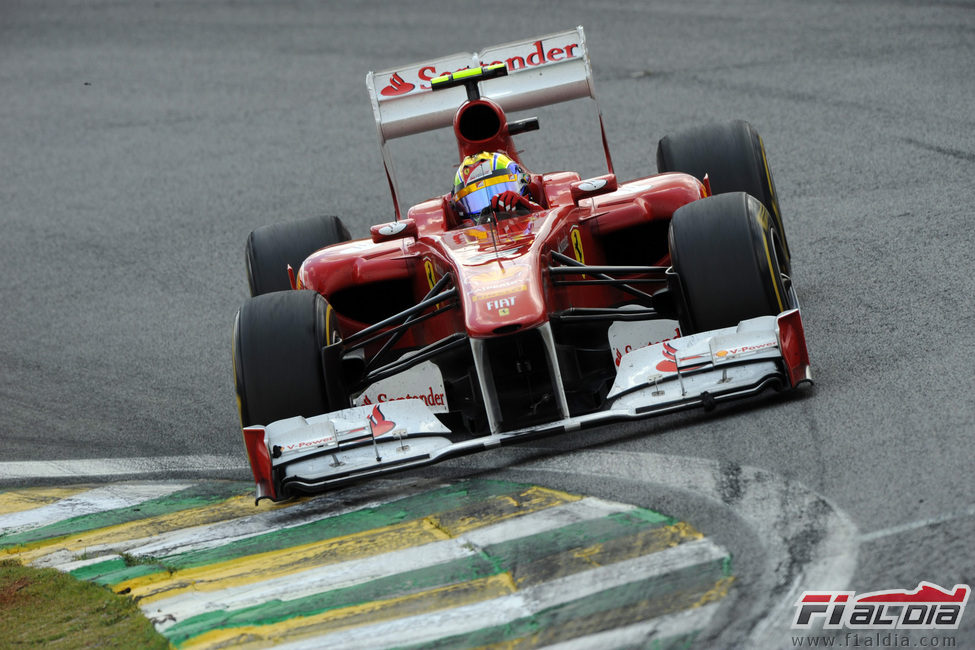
591, 187
393, 230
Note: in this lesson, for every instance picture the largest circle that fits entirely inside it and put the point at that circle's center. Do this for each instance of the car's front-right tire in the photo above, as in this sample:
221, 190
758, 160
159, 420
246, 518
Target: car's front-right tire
732, 156
282, 355
271, 249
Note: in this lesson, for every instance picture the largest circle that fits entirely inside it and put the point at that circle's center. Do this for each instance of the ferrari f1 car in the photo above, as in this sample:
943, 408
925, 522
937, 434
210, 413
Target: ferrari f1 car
445, 333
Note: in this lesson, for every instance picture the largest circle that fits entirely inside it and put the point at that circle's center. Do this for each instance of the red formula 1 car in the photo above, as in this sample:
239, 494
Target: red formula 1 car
473, 321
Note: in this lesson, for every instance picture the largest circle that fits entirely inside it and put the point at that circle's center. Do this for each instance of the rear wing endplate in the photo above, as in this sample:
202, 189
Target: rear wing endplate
541, 71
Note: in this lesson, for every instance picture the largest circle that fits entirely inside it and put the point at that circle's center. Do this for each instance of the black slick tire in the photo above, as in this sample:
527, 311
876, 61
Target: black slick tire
270, 249
733, 157
279, 366
728, 258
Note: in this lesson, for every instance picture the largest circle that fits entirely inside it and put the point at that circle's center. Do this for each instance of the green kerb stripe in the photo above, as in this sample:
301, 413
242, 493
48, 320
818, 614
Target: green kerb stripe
454, 572
407, 509
622, 531
609, 609
192, 497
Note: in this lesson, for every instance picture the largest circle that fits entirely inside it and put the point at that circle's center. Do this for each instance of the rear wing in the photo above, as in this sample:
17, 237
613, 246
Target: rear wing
541, 71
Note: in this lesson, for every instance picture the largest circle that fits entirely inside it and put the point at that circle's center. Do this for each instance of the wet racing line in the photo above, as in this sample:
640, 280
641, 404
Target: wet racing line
416, 562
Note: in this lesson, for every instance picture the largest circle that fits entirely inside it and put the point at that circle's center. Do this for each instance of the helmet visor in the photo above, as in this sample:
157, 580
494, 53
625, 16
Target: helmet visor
476, 196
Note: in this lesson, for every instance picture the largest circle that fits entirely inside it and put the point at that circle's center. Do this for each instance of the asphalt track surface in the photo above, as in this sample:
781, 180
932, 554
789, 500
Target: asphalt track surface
142, 141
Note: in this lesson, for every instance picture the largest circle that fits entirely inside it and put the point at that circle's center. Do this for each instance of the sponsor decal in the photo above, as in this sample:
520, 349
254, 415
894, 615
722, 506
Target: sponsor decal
538, 54
328, 440
501, 291
501, 305
523, 56
745, 349
397, 86
618, 353
669, 364
423, 382
430, 398
378, 424
626, 336
576, 238
927, 607
430, 272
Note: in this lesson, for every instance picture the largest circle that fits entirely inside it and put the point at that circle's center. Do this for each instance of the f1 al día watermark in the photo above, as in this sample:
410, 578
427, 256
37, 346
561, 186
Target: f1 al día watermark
881, 619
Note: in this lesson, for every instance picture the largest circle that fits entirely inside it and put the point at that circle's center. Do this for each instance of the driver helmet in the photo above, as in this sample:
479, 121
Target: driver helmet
483, 176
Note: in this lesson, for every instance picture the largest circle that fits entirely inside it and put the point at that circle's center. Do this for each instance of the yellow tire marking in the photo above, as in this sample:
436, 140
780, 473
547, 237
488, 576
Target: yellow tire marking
763, 217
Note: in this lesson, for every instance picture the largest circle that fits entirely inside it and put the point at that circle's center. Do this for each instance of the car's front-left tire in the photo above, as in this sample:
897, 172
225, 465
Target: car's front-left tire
728, 257
284, 365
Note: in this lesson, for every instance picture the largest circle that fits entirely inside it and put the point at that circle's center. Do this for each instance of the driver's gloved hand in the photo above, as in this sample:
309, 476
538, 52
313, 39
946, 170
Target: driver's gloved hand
509, 201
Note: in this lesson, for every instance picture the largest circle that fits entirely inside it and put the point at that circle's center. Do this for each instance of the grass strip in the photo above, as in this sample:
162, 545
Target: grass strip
44, 607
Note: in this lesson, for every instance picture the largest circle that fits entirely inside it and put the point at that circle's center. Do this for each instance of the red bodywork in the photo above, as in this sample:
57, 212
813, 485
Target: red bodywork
500, 268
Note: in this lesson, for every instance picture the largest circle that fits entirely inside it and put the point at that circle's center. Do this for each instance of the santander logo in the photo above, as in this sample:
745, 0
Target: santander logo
669, 364
520, 57
397, 86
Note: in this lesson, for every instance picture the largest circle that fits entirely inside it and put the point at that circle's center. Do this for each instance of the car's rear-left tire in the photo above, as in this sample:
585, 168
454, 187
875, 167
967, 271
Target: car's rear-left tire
282, 363
732, 155
270, 249
728, 256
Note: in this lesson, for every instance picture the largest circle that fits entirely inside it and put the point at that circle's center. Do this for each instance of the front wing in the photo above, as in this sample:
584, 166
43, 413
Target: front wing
308, 455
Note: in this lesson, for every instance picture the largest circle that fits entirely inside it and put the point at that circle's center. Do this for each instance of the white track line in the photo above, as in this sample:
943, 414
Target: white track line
915, 525
92, 467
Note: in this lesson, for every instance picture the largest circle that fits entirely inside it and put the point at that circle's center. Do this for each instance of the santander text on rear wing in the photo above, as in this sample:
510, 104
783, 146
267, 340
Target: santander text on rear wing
541, 71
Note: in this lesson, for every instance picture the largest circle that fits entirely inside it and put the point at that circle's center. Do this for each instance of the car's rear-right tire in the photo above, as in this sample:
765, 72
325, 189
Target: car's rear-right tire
270, 249
281, 367
728, 257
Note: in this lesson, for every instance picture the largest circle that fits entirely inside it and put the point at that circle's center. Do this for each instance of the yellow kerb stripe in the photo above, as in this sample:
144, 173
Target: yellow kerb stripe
274, 564
715, 593
21, 500
450, 596
229, 509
